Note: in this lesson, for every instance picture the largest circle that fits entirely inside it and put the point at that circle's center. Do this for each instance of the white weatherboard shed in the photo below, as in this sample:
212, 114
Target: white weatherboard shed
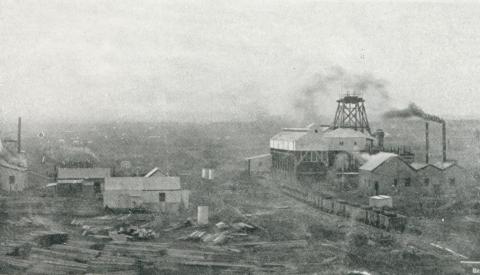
162, 194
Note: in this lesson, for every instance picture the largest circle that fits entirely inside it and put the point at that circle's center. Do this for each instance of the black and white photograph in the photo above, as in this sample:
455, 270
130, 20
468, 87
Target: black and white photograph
239, 137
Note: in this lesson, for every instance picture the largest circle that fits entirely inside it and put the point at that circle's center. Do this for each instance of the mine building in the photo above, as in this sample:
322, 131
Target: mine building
306, 154
90, 177
429, 176
13, 163
386, 174
12, 177
158, 194
259, 165
452, 179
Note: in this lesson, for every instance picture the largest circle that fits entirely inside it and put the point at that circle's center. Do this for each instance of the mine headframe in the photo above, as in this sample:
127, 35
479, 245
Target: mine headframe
351, 113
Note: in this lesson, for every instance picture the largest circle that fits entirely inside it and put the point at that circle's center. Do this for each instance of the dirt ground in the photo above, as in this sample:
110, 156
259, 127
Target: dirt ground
334, 245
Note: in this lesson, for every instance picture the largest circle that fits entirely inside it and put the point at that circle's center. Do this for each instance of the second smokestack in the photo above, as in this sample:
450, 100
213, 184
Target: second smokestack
19, 135
427, 143
444, 141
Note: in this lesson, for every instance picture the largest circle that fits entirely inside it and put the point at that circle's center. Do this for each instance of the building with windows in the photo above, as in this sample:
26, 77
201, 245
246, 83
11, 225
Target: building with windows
429, 176
452, 178
12, 177
92, 178
386, 174
158, 194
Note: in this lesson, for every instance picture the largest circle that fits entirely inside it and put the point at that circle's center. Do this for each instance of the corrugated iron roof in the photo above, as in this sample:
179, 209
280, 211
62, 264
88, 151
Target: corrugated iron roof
374, 161
420, 165
346, 133
5, 164
258, 156
154, 171
142, 183
286, 135
83, 173
444, 165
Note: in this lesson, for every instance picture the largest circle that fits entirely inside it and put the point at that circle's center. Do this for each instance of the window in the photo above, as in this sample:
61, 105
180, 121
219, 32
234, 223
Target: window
451, 181
97, 187
341, 142
395, 182
161, 197
354, 143
11, 179
426, 181
407, 182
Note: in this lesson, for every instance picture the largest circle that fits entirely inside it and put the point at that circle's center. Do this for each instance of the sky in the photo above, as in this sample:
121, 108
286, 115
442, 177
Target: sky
222, 60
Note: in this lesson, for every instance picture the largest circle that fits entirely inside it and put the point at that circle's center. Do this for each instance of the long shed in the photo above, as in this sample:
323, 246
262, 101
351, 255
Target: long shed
162, 194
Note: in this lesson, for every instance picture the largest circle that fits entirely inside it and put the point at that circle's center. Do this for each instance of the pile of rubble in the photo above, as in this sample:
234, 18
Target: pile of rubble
109, 228
223, 232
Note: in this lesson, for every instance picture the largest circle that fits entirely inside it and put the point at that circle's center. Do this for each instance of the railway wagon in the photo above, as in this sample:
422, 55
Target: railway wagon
327, 204
340, 207
371, 217
362, 214
351, 210
383, 221
398, 223
318, 202
383, 218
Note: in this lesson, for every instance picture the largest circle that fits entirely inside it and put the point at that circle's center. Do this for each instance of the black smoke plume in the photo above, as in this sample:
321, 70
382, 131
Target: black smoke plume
412, 111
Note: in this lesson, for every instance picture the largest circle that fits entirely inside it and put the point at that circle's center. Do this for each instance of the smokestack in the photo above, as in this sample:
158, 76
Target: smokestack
380, 135
444, 141
19, 135
427, 142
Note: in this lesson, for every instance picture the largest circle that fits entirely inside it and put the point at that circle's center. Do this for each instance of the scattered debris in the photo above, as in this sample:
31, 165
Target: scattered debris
47, 238
449, 250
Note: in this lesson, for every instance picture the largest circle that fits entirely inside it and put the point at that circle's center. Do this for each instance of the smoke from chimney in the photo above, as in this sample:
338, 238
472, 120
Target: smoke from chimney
412, 111
326, 87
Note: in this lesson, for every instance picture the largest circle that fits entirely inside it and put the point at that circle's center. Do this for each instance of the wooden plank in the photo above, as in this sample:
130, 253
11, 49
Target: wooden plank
281, 244
217, 264
76, 257
74, 249
449, 251
7, 263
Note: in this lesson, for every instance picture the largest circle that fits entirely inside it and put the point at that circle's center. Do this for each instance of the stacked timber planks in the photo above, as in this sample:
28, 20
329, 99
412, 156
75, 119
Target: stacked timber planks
14, 265
109, 263
271, 245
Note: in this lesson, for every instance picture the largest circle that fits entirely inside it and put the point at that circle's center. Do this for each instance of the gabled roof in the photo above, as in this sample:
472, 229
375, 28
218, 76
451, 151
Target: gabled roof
346, 133
142, 183
290, 135
421, 165
5, 164
83, 173
374, 161
445, 165
69, 181
154, 171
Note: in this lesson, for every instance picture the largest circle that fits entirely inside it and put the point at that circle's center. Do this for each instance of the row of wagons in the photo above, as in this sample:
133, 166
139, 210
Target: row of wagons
378, 217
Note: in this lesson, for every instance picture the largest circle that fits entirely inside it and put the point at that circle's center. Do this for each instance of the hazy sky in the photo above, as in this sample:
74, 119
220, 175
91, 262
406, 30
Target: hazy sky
216, 60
